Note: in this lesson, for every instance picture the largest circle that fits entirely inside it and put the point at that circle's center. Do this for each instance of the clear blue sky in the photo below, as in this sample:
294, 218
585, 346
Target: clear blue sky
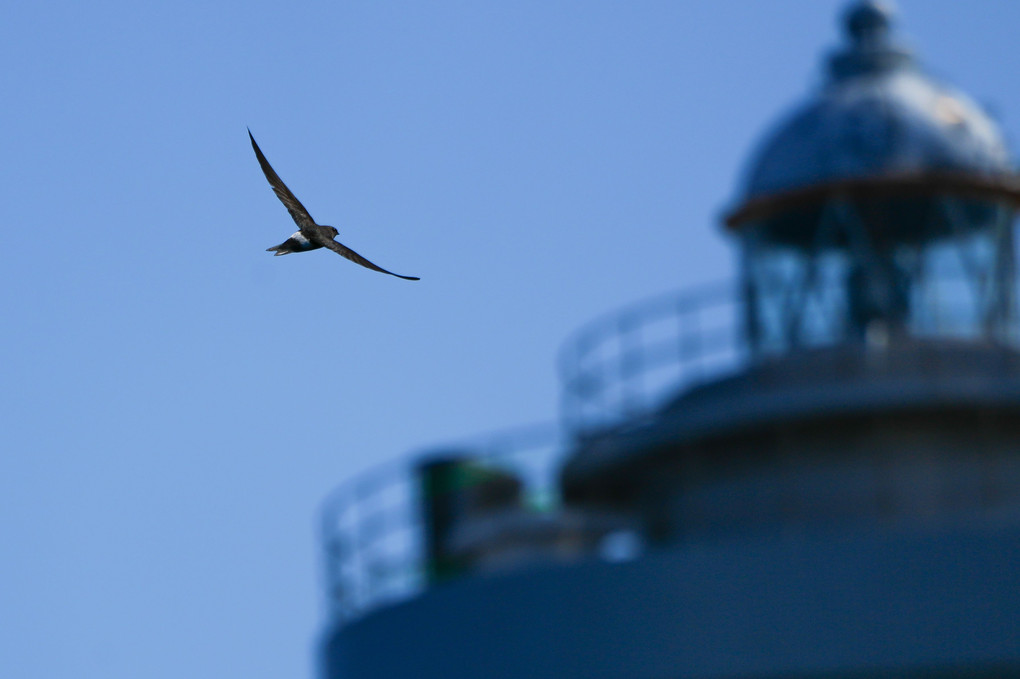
175, 402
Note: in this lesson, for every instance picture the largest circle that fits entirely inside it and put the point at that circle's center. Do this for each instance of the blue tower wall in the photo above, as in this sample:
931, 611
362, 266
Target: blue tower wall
892, 603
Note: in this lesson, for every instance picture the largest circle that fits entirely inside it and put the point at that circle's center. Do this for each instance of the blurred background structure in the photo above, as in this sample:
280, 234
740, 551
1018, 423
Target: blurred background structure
813, 470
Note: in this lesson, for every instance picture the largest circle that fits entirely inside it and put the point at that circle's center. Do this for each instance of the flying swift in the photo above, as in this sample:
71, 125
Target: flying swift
309, 236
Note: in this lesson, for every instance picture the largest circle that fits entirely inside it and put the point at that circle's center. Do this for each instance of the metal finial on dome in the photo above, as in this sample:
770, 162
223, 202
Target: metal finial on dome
878, 114
872, 49
868, 21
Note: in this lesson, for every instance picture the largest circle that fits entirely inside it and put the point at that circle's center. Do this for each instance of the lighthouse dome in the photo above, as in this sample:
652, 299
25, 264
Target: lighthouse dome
877, 115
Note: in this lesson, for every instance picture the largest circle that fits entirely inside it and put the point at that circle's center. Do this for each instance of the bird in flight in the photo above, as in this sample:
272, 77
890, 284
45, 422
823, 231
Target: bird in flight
309, 236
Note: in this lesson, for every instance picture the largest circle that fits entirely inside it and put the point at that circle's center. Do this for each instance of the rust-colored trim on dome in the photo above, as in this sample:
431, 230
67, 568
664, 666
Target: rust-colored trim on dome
1002, 187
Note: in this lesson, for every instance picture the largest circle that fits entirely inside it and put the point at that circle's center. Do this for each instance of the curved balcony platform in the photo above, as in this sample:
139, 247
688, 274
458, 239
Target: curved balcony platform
625, 364
372, 528
907, 603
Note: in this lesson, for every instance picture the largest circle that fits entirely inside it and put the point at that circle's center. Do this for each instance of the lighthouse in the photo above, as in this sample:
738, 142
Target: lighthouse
813, 471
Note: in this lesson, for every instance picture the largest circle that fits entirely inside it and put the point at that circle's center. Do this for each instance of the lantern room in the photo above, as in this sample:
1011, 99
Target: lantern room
882, 208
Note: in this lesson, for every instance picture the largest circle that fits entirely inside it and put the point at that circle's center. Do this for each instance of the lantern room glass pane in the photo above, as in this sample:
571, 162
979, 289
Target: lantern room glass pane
850, 275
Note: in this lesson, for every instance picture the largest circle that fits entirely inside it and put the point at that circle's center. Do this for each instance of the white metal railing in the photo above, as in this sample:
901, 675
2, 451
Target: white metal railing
626, 363
371, 526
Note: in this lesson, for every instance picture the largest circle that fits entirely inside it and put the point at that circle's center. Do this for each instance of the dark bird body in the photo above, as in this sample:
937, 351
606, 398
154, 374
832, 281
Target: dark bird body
310, 236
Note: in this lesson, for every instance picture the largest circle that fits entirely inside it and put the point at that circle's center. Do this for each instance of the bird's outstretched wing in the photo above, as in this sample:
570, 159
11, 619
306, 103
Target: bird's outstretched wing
345, 251
289, 200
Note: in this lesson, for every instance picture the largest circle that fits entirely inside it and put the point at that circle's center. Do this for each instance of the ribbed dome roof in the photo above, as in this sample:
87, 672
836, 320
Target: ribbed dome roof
878, 114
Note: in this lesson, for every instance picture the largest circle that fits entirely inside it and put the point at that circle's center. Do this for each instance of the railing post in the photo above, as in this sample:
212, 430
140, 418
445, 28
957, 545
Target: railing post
630, 362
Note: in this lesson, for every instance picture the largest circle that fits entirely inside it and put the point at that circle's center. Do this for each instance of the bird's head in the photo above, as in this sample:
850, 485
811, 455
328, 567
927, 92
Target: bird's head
332, 231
